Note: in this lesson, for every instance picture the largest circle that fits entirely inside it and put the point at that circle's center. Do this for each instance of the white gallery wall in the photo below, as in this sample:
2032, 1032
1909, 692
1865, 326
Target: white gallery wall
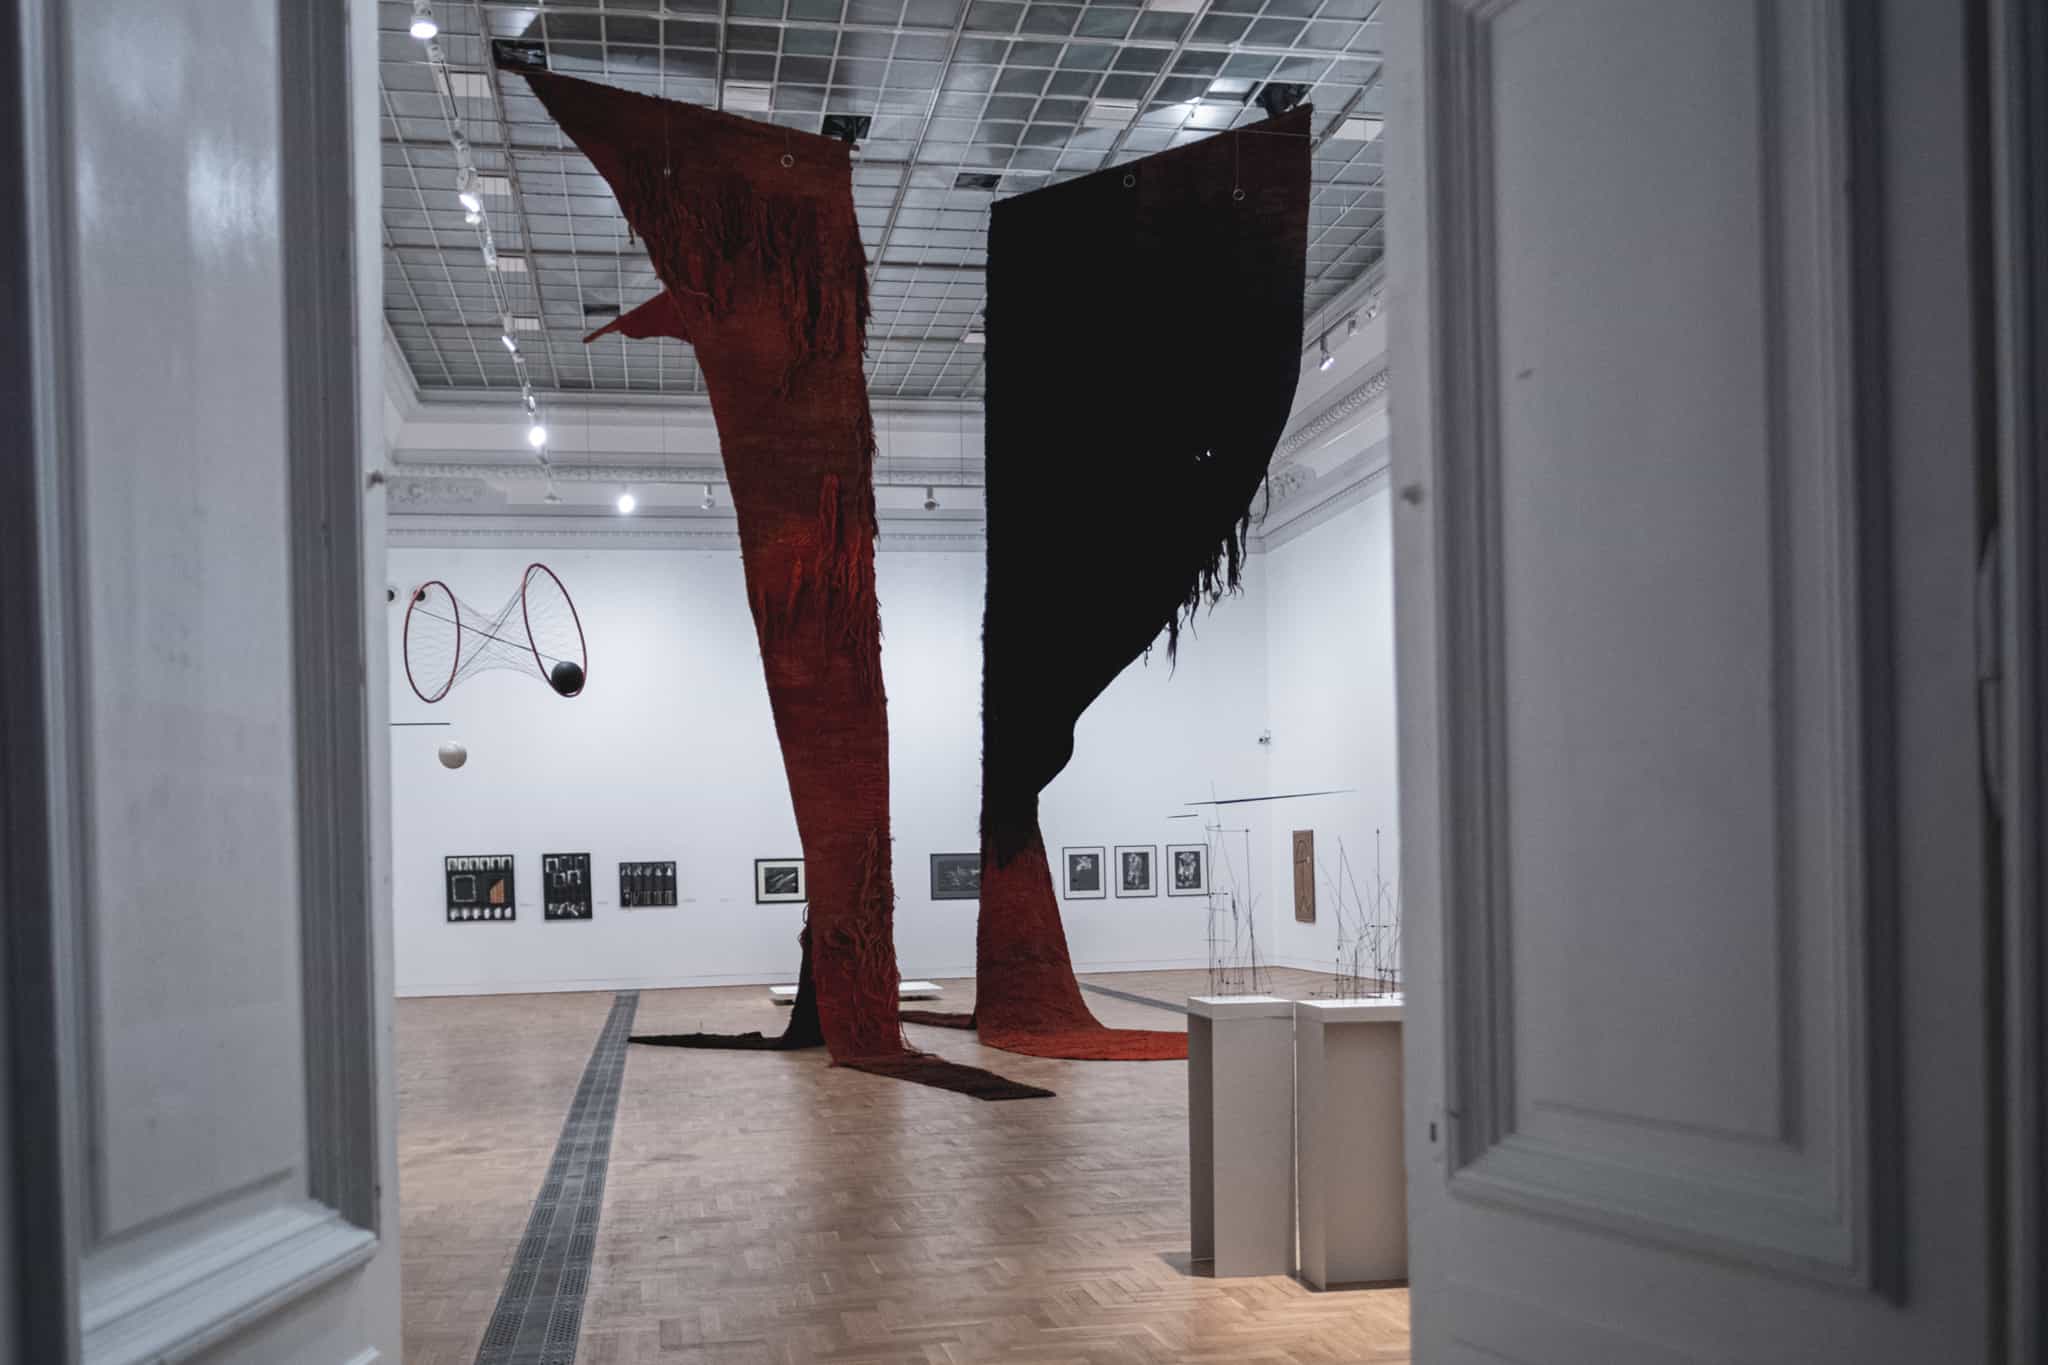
1329, 628
670, 753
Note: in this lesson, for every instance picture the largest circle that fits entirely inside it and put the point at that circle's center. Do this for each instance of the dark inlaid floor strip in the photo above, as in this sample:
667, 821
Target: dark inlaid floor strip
1133, 998
540, 1311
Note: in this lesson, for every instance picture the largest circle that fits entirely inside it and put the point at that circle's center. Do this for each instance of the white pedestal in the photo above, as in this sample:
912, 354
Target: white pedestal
1353, 1182
1241, 1132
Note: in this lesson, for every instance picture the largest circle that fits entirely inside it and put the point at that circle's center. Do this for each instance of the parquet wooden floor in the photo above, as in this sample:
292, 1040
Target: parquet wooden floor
766, 1209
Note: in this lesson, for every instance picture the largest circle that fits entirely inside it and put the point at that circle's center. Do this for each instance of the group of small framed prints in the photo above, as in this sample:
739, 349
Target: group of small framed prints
480, 887
955, 877
1134, 871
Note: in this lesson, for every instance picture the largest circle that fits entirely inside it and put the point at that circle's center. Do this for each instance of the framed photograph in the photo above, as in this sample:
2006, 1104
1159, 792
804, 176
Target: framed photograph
565, 885
646, 884
778, 881
1086, 879
1137, 869
479, 888
956, 876
1187, 869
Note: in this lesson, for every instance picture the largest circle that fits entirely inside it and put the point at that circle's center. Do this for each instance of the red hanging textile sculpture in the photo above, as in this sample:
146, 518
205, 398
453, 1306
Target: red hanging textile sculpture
751, 228
1161, 300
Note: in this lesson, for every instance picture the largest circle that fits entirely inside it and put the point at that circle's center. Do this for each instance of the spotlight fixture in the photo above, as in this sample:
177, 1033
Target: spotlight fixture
1277, 97
510, 344
536, 436
849, 128
473, 217
709, 501
627, 502
553, 499
931, 501
468, 191
1351, 327
516, 54
423, 25
1328, 360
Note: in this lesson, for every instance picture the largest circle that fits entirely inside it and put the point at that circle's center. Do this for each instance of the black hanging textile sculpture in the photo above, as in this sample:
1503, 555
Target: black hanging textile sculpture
1144, 338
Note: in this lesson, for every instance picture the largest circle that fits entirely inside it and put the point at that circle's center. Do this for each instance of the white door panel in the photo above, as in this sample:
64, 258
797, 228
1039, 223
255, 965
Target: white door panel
207, 994
187, 698
1661, 680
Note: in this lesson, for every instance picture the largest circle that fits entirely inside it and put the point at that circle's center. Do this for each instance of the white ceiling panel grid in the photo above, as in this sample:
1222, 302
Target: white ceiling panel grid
969, 100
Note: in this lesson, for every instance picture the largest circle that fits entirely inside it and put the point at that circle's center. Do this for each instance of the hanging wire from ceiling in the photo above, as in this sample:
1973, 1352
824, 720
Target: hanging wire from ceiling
469, 192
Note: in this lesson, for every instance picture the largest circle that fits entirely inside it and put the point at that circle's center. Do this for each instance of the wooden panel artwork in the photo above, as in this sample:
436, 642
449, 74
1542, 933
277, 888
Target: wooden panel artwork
1305, 876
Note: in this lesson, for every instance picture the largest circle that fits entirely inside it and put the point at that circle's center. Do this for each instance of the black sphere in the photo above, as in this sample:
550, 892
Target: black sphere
566, 678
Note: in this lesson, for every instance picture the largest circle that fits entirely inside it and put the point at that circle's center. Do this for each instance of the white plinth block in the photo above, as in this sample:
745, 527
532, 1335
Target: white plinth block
1353, 1183
1241, 1132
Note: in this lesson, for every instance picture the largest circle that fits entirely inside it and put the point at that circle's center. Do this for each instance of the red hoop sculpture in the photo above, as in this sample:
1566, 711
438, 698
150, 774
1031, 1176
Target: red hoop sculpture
447, 640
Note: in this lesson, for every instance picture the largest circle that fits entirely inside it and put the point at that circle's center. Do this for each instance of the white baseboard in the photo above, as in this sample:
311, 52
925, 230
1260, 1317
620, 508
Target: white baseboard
941, 972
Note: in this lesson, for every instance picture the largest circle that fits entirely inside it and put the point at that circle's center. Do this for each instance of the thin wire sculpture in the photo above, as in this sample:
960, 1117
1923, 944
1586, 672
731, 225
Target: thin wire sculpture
1234, 964
537, 631
1368, 928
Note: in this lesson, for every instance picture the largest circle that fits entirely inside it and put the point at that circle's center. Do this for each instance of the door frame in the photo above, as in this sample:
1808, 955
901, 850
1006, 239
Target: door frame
2017, 61
44, 825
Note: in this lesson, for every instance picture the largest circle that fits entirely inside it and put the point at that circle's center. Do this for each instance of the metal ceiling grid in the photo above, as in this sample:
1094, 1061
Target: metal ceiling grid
1021, 91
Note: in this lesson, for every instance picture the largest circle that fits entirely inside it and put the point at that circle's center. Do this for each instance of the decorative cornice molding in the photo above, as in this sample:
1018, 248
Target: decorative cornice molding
412, 490
1373, 388
1288, 480
600, 533
1353, 488
530, 471
439, 404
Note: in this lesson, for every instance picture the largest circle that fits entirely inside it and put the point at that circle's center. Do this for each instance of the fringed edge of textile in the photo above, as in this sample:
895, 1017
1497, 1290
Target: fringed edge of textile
1221, 577
1099, 1044
728, 1042
922, 1068
938, 1018
736, 230
863, 941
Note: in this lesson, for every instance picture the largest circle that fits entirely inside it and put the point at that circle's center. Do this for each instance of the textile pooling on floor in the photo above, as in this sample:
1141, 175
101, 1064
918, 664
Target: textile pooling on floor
751, 230
1144, 338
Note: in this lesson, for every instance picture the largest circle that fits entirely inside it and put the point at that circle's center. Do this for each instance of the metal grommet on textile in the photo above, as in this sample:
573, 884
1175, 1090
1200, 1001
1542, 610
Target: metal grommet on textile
1129, 180
788, 160
1237, 195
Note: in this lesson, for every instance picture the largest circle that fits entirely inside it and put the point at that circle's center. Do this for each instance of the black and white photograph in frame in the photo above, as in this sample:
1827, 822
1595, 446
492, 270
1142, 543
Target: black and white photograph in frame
778, 881
646, 884
1137, 869
1187, 869
956, 876
565, 885
1084, 876
479, 888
